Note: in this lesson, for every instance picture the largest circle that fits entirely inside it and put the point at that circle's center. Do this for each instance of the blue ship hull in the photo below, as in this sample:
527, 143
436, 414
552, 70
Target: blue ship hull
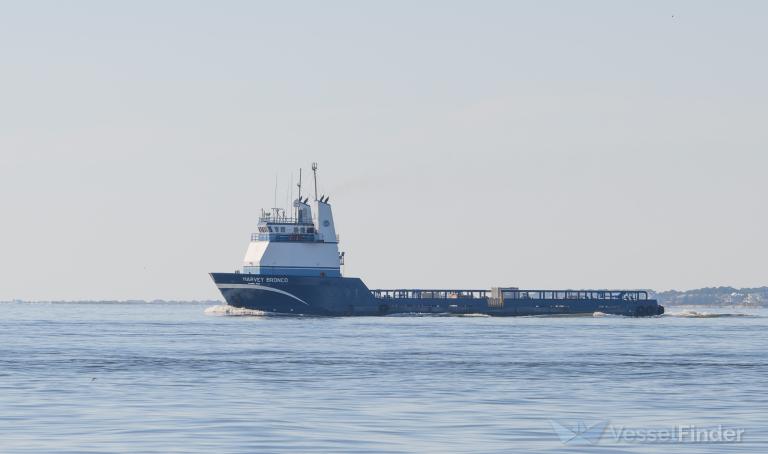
344, 296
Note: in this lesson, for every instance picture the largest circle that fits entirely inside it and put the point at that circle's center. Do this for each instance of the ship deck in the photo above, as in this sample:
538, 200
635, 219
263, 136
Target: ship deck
512, 293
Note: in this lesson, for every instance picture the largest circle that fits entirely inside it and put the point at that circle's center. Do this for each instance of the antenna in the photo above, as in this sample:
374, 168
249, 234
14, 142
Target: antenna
299, 185
275, 191
314, 171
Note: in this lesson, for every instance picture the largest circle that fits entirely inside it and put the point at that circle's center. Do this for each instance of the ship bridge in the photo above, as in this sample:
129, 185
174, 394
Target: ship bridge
282, 228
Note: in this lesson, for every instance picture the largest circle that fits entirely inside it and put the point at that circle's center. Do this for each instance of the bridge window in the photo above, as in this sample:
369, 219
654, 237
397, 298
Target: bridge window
270, 228
310, 230
282, 229
295, 230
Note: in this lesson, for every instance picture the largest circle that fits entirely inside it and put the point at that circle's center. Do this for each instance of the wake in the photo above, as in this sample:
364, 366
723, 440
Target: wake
225, 309
689, 313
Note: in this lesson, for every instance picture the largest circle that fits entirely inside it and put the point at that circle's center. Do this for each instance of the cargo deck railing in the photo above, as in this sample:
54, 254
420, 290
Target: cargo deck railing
524, 294
514, 294
429, 293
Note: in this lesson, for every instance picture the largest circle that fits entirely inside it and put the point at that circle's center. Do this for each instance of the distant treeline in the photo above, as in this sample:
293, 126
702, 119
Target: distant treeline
715, 296
211, 302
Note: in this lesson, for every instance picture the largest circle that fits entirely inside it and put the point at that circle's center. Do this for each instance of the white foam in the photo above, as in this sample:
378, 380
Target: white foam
695, 314
599, 314
225, 309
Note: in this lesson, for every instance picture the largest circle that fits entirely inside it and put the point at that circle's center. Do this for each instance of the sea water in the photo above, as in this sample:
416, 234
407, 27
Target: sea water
191, 377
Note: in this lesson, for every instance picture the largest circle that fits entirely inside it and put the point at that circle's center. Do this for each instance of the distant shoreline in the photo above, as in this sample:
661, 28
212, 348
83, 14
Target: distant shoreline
707, 296
714, 296
130, 301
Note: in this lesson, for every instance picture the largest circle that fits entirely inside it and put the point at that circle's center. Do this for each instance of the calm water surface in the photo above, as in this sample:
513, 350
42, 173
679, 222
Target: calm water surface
86, 377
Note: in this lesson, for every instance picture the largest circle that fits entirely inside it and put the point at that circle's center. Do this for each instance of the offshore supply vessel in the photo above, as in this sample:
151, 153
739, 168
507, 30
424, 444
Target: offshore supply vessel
293, 266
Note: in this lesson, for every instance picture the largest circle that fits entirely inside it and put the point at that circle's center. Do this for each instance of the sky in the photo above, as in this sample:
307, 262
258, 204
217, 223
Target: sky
613, 144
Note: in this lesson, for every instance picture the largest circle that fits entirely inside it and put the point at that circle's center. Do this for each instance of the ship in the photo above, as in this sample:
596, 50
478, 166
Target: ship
293, 266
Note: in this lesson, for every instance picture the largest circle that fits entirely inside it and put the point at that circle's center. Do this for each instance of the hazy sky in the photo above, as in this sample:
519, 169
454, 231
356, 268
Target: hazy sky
464, 144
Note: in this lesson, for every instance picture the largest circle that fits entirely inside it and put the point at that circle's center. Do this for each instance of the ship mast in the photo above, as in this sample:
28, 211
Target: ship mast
314, 171
299, 185
299, 199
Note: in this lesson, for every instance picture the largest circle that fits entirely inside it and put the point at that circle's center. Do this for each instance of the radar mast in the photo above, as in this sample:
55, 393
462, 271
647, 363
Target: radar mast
314, 171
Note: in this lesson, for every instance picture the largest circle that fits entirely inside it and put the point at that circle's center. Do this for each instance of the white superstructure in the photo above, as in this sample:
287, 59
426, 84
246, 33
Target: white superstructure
295, 245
